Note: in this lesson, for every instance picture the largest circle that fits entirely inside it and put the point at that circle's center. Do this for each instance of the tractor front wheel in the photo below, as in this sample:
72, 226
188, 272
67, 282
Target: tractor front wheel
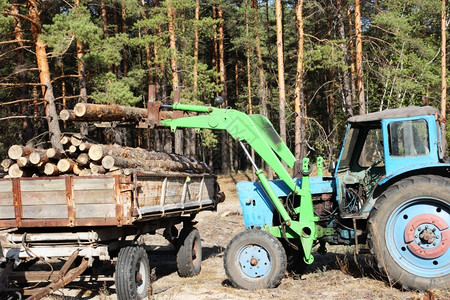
409, 233
255, 259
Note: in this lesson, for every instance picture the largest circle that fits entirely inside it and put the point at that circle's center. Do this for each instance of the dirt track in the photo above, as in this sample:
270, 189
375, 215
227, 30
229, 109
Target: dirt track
332, 276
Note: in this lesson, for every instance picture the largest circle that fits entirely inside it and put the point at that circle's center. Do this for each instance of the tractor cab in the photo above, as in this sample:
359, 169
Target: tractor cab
382, 146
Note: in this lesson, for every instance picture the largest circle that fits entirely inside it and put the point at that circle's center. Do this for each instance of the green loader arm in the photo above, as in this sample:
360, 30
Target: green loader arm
259, 133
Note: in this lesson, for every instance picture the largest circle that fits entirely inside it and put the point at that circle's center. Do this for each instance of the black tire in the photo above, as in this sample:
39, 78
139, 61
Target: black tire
189, 255
405, 231
255, 259
132, 273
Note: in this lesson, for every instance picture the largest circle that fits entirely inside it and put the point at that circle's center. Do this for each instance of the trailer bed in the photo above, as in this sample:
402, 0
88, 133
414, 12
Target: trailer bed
108, 200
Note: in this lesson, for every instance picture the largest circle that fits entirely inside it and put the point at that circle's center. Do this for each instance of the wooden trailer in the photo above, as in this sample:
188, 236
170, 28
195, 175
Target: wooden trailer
98, 218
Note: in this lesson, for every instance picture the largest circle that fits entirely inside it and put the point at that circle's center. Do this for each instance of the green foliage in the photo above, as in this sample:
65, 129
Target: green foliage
209, 139
115, 91
76, 25
406, 62
5, 20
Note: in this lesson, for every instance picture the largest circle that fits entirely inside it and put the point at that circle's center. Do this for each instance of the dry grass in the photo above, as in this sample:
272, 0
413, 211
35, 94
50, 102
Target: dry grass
337, 275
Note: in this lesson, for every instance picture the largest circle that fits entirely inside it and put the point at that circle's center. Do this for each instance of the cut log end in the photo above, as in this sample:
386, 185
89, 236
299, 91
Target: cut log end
108, 162
73, 149
95, 152
79, 109
96, 169
6, 163
65, 114
16, 151
65, 140
50, 169
15, 171
23, 162
65, 165
76, 140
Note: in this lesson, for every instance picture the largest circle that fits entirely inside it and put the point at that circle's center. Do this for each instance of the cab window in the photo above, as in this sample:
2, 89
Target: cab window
408, 138
372, 149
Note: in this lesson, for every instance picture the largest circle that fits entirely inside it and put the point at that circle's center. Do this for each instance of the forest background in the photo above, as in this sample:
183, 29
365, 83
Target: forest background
307, 65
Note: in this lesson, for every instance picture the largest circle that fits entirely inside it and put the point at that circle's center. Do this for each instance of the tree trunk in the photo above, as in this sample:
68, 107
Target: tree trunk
225, 144
171, 14
280, 59
351, 46
249, 70
27, 125
348, 102
262, 76
44, 76
82, 78
300, 110
359, 62
215, 58
443, 73
197, 18
124, 30
104, 14
443, 60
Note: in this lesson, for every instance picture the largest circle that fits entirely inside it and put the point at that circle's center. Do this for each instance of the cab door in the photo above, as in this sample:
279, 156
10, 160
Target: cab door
409, 143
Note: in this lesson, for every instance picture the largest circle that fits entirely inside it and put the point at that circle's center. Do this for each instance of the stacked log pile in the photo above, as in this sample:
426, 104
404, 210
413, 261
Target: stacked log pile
84, 159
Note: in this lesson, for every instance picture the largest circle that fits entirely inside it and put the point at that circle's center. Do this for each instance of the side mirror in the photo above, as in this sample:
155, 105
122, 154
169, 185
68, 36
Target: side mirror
218, 101
332, 167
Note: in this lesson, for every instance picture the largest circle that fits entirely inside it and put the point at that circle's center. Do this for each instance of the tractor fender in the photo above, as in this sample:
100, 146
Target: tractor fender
426, 169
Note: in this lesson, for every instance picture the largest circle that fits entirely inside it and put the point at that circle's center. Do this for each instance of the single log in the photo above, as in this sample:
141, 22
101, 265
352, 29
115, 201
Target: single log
83, 159
107, 113
85, 172
76, 140
16, 151
54, 153
73, 149
96, 169
23, 162
38, 157
138, 155
77, 169
115, 172
96, 152
84, 146
15, 171
6, 163
65, 140
51, 169
67, 115
65, 165
110, 161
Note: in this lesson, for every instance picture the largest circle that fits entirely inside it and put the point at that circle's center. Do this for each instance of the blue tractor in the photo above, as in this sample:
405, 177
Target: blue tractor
390, 189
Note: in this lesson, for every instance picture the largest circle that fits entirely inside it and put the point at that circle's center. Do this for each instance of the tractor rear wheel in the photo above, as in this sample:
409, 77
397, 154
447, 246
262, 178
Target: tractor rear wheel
255, 259
409, 234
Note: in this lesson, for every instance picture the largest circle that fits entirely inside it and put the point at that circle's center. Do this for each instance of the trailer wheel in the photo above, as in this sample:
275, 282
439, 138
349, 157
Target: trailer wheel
132, 273
255, 259
409, 234
189, 255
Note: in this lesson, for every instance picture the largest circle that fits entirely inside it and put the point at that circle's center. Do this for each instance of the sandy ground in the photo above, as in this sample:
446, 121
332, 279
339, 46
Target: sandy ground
335, 275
